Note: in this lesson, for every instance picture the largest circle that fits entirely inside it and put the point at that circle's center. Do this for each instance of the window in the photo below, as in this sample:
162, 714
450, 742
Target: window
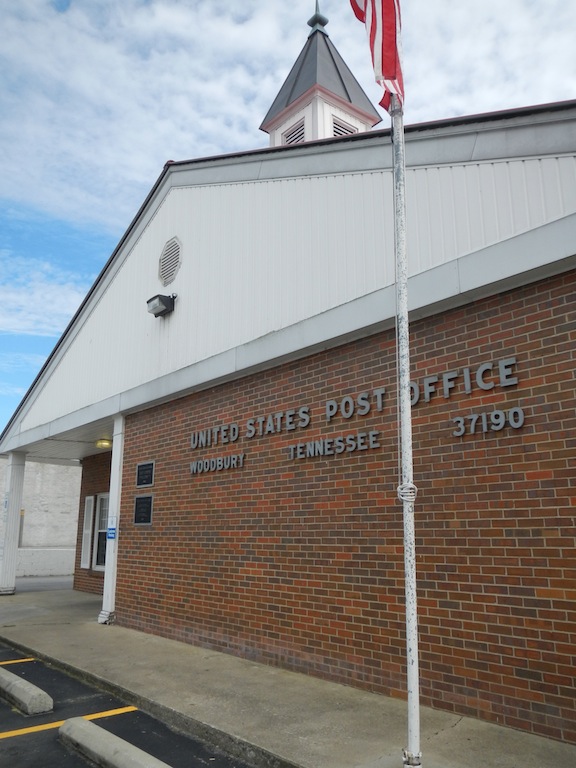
94, 532
100, 530
87, 532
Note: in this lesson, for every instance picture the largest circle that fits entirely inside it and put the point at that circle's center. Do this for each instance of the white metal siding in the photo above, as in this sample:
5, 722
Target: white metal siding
260, 256
455, 210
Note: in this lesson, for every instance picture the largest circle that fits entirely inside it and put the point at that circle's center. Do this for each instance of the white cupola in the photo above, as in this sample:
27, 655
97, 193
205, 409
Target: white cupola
320, 98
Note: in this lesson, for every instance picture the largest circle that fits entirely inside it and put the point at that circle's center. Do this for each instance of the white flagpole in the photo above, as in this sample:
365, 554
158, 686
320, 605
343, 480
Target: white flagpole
407, 489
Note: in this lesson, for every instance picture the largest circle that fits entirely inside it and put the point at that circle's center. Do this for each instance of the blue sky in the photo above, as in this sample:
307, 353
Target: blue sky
96, 95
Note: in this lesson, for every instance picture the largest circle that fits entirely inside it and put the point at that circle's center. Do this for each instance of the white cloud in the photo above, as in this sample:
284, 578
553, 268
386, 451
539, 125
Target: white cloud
7, 390
20, 361
486, 55
96, 96
36, 297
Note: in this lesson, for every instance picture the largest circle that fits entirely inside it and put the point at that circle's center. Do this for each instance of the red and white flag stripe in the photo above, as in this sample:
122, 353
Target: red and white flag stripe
383, 25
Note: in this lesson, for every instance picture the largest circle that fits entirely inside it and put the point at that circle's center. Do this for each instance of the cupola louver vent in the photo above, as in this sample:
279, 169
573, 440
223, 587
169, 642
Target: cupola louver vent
170, 261
340, 128
295, 134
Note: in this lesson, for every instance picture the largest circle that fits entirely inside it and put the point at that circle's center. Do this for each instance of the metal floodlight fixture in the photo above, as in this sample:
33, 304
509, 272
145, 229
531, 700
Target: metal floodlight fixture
160, 305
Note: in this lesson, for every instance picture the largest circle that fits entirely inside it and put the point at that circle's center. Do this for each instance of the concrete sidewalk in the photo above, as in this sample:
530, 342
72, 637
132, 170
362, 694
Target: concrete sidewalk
268, 716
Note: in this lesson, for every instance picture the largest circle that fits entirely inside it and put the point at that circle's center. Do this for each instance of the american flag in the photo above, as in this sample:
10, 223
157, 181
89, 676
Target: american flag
382, 20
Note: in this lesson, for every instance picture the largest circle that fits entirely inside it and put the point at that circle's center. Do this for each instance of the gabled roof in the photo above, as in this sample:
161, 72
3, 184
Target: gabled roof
493, 207
320, 65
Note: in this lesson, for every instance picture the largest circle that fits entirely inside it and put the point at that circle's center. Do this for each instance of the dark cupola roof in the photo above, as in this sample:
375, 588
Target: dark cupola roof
320, 66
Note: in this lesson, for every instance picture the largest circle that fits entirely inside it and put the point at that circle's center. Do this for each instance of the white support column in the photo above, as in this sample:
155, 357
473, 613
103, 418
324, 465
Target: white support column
10, 521
106, 615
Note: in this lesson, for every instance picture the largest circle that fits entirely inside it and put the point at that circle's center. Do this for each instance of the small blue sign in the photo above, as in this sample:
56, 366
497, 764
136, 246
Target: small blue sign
111, 533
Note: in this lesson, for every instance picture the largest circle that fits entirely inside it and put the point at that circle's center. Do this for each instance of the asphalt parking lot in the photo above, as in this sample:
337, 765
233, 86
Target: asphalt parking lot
32, 741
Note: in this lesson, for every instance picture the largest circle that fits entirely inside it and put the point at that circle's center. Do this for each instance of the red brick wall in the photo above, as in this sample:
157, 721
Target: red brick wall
95, 480
299, 562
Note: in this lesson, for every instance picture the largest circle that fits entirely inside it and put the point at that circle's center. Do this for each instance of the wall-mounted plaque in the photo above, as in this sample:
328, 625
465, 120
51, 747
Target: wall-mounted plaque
143, 510
145, 474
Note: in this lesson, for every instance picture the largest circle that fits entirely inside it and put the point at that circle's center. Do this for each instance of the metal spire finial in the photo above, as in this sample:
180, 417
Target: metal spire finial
318, 21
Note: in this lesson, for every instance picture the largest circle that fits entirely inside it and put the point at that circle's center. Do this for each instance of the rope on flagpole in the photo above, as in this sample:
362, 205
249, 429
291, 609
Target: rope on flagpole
407, 492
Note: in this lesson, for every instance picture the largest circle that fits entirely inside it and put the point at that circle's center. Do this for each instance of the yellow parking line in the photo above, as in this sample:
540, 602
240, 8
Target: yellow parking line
58, 723
32, 729
14, 661
110, 713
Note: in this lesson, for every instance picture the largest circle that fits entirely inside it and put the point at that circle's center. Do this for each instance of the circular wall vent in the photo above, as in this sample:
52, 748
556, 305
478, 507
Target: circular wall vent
170, 261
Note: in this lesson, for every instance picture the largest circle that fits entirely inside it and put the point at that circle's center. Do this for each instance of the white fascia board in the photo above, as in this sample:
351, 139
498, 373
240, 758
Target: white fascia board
543, 247
450, 145
194, 377
525, 135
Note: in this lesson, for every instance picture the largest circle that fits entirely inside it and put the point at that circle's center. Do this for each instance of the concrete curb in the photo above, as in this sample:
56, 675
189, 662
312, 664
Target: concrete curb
27, 697
227, 744
104, 748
